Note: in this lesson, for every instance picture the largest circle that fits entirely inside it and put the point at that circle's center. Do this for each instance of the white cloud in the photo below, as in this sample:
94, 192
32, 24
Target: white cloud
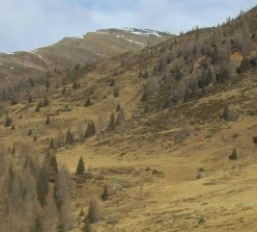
27, 24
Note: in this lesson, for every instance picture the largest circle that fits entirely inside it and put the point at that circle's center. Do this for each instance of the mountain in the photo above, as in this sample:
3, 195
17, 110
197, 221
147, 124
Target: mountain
16, 68
168, 130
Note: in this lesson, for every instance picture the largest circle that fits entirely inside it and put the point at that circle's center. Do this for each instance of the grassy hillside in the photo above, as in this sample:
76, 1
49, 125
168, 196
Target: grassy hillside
178, 154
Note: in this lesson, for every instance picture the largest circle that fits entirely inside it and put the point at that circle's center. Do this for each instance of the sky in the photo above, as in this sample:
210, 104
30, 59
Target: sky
29, 24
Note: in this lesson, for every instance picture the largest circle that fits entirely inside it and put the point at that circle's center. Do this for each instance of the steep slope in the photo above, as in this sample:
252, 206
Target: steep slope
188, 103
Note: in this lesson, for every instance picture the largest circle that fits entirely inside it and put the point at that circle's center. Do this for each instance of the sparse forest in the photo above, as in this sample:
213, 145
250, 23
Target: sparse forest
151, 138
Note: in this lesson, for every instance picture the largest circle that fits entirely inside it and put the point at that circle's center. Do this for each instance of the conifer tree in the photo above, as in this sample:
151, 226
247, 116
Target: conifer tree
47, 120
105, 194
42, 186
69, 137
8, 121
120, 117
80, 167
93, 214
90, 131
116, 93
112, 124
39, 105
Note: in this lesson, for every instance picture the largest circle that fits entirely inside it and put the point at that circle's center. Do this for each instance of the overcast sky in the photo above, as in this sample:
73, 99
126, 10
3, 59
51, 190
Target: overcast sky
28, 24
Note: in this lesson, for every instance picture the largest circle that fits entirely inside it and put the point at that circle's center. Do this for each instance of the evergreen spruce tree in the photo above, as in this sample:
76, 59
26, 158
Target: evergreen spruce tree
93, 214
39, 105
69, 137
116, 93
80, 167
63, 90
105, 194
90, 131
233, 156
112, 124
118, 108
42, 186
47, 120
120, 117
8, 121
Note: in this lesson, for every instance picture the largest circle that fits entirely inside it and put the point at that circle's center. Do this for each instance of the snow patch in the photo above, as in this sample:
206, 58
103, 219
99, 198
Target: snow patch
145, 32
135, 42
103, 32
34, 52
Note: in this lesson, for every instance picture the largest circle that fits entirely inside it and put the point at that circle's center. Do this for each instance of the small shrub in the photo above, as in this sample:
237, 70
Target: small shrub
116, 93
88, 102
8, 121
234, 155
201, 173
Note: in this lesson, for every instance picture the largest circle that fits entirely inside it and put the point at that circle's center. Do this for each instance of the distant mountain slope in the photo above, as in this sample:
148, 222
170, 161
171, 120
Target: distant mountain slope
70, 51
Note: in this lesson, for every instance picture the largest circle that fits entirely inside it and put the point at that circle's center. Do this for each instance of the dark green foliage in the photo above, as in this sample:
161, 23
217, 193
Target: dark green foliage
88, 102
233, 156
80, 167
47, 120
116, 93
105, 194
8, 121
112, 123
90, 131
42, 186
51, 166
69, 137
